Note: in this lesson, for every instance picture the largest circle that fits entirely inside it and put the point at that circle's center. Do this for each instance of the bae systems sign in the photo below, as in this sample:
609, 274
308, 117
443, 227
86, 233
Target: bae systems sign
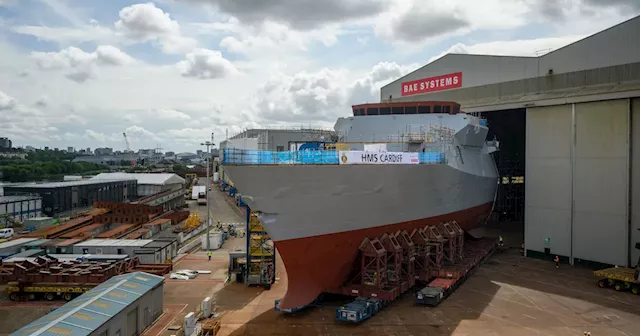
432, 84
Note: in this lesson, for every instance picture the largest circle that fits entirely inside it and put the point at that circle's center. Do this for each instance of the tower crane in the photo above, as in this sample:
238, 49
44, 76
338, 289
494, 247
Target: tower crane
126, 143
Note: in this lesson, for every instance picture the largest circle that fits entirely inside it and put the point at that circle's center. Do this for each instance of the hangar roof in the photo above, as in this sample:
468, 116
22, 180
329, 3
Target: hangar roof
142, 178
88, 312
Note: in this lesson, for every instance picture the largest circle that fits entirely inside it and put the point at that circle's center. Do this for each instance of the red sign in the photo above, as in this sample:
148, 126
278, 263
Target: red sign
431, 84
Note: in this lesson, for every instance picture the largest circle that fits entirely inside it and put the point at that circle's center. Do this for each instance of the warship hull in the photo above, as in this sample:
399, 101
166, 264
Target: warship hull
317, 215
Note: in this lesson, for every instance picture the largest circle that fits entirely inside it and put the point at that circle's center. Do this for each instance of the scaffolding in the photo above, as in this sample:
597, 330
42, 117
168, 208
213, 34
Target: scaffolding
510, 195
261, 254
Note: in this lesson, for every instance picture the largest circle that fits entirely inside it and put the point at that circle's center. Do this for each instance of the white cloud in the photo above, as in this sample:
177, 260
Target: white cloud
146, 22
299, 14
81, 65
22, 123
205, 64
320, 97
6, 102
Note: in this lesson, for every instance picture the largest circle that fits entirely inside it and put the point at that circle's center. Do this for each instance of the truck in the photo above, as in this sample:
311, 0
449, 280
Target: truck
361, 309
199, 193
202, 198
50, 291
620, 278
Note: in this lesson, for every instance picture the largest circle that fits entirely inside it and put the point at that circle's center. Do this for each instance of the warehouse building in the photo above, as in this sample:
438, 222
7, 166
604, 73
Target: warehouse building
110, 246
16, 209
569, 126
148, 183
59, 197
123, 305
152, 251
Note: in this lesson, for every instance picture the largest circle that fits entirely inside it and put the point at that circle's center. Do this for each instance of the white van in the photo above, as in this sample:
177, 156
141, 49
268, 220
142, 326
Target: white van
6, 233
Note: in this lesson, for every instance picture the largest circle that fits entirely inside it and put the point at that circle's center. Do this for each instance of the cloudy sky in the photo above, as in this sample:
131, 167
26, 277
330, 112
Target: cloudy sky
80, 72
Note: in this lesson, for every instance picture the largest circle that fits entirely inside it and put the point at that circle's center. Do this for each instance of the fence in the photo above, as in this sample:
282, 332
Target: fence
232, 156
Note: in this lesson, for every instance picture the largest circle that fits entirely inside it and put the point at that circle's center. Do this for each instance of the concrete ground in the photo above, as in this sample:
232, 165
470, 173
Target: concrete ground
508, 296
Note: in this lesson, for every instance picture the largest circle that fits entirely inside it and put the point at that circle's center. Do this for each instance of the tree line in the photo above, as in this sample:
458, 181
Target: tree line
42, 165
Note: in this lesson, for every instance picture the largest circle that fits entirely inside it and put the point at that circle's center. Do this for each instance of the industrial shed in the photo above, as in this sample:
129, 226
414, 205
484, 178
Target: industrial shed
59, 197
123, 305
147, 250
158, 251
14, 246
148, 183
569, 126
19, 208
110, 246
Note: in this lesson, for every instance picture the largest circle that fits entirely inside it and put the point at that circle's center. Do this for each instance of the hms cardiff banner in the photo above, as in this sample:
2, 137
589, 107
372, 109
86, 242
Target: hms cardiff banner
382, 158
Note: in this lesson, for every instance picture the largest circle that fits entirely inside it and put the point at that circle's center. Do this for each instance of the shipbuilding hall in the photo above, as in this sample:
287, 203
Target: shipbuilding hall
569, 127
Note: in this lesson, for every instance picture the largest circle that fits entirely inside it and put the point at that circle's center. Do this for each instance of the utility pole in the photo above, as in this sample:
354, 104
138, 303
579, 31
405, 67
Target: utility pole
208, 144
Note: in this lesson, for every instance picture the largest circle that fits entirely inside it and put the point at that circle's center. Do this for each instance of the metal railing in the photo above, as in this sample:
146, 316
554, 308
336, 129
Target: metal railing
232, 156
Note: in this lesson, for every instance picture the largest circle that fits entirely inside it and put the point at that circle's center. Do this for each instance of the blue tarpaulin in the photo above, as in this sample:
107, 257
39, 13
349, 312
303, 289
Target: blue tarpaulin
314, 157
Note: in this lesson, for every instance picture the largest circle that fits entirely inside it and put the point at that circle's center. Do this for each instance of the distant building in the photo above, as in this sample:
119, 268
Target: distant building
103, 151
14, 155
71, 150
146, 153
5, 143
148, 183
128, 159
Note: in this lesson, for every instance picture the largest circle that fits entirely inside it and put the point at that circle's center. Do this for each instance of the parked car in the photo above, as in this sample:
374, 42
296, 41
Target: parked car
191, 273
6, 233
179, 276
188, 275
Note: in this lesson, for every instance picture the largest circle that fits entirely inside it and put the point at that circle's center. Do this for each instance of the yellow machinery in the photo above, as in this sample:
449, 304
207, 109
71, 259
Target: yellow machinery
260, 253
621, 278
192, 222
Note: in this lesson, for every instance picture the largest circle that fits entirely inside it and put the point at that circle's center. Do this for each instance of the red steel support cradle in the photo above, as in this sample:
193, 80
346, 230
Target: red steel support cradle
388, 266
460, 235
371, 277
436, 241
373, 263
393, 259
423, 253
408, 274
450, 244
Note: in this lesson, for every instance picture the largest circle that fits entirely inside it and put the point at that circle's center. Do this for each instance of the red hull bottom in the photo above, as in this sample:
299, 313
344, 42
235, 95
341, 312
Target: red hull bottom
317, 264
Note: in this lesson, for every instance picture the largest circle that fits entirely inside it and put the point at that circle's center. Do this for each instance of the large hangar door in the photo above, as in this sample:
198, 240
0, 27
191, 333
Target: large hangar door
635, 180
600, 225
548, 179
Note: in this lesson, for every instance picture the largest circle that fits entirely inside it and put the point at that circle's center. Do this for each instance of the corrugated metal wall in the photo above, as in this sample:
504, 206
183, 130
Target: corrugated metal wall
548, 179
635, 179
577, 194
600, 224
